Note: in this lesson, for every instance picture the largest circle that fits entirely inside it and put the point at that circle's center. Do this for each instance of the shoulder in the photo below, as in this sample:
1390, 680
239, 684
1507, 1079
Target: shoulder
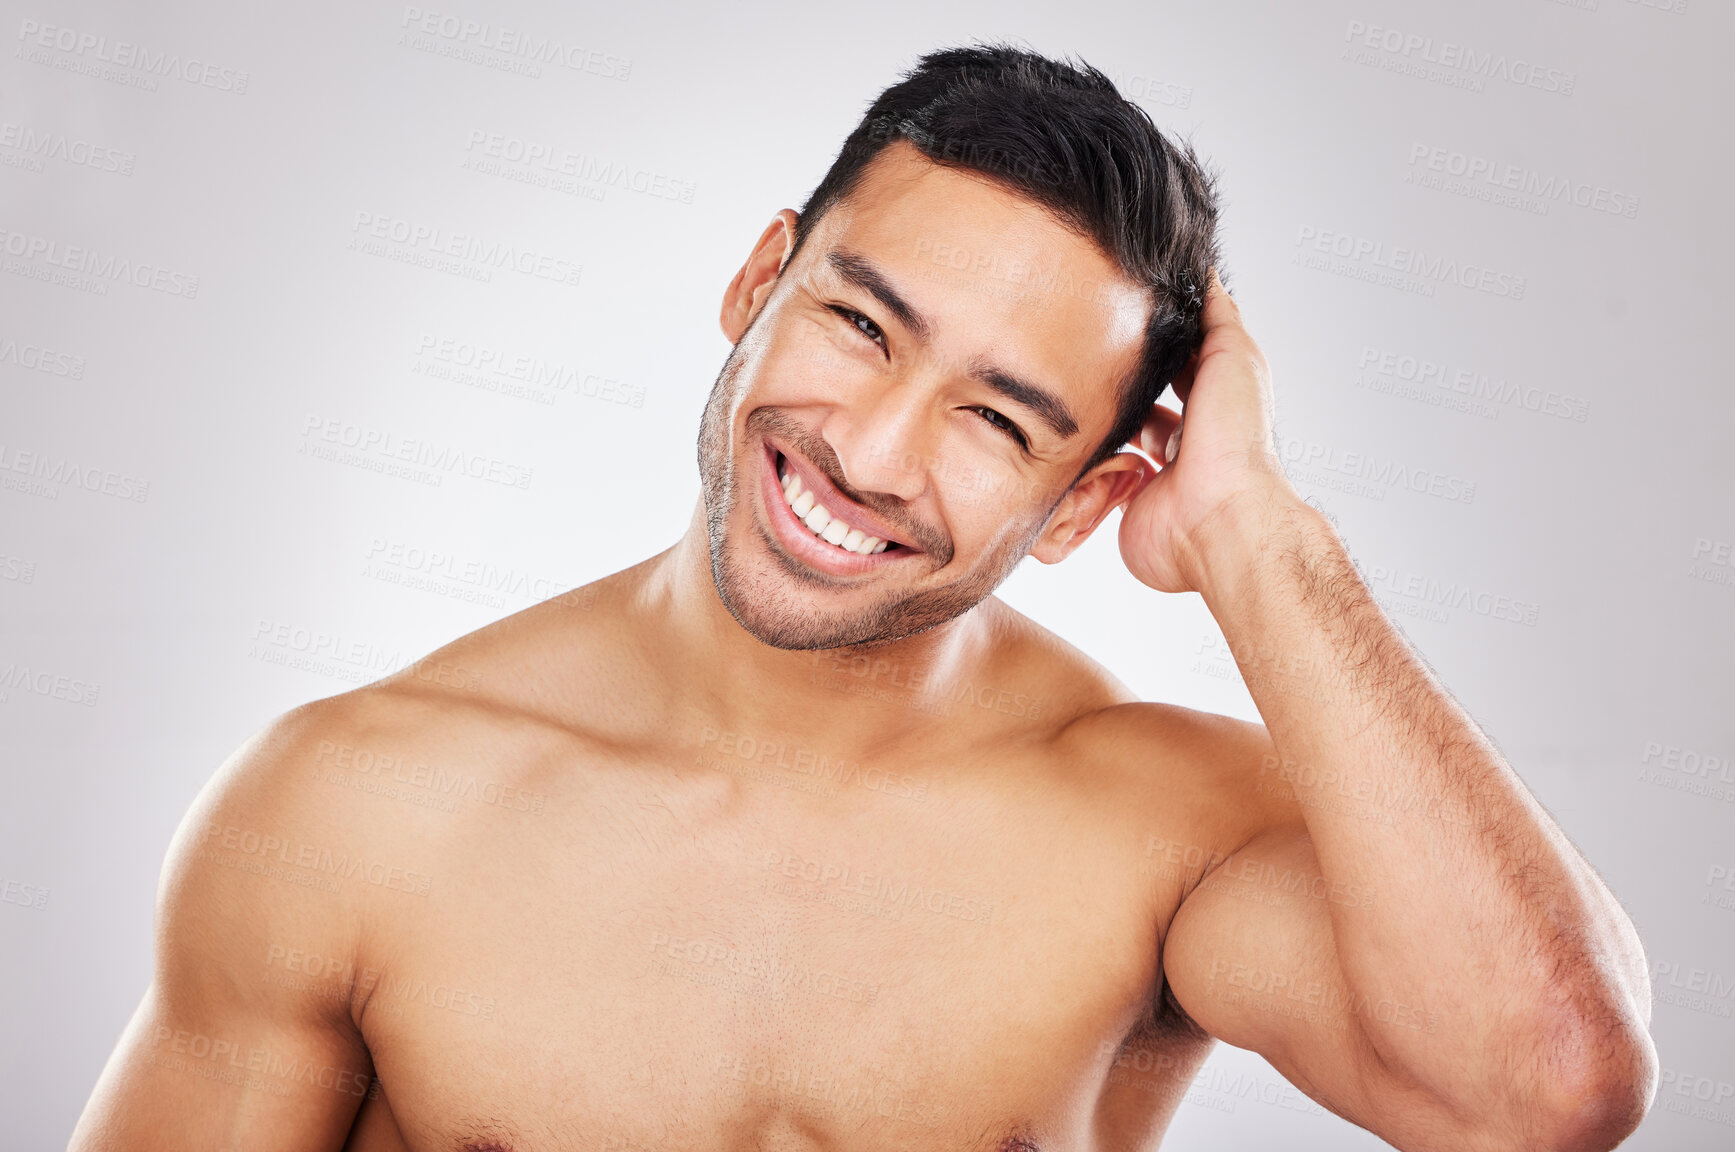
333, 812
1066, 682
1217, 774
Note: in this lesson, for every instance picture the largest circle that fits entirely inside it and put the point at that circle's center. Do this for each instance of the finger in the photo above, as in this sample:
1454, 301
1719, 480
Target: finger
1183, 380
1220, 312
1157, 431
1221, 309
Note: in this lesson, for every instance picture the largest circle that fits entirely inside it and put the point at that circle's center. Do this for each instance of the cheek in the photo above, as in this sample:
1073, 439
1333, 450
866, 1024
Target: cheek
988, 525
979, 485
807, 365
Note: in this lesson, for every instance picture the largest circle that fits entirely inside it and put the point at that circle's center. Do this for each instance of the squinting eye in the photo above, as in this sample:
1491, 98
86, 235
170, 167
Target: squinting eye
1003, 424
862, 324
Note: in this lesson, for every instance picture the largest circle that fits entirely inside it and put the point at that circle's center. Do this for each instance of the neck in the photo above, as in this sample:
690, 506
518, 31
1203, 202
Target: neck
850, 699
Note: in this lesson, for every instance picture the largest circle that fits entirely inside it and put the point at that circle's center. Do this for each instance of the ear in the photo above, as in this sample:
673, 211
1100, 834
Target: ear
747, 292
1109, 485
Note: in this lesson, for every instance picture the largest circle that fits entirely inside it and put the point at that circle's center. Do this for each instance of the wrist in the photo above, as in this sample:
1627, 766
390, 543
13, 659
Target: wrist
1239, 550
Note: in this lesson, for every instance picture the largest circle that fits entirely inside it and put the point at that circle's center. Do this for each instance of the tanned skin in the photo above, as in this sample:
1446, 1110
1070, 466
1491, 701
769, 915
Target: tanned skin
741, 848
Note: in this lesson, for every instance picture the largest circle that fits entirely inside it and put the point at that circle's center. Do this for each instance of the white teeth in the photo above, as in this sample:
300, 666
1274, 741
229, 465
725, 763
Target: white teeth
823, 524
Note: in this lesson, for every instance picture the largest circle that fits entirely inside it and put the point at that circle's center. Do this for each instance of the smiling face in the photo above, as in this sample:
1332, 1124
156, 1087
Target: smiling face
930, 371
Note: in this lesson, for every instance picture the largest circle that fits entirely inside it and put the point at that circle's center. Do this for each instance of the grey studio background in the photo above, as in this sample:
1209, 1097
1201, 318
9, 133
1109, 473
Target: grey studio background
252, 266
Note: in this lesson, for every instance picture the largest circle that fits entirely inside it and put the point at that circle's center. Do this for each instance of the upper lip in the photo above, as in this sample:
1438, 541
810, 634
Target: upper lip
826, 493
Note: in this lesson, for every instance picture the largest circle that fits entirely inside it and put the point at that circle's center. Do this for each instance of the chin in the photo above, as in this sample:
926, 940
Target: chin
783, 606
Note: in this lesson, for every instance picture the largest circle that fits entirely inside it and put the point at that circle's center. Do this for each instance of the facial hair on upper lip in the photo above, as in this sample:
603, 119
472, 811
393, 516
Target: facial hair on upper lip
917, 536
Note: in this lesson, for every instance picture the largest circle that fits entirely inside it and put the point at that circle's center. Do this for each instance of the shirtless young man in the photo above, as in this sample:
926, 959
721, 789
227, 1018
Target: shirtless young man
766, 843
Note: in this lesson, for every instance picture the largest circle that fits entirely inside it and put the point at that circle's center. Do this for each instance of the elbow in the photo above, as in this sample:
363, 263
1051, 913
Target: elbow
1597, 1087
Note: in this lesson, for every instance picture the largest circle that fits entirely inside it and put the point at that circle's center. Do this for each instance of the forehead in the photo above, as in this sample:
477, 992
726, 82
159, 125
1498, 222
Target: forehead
998, 275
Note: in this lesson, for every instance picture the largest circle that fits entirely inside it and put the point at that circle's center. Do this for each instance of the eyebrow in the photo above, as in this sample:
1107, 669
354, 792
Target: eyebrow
1049, 408
860, 272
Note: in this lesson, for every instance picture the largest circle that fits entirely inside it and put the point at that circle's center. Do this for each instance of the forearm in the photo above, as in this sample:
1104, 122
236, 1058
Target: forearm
1485, 920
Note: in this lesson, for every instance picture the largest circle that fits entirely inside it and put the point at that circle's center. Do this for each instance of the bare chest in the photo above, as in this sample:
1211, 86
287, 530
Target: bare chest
695, 962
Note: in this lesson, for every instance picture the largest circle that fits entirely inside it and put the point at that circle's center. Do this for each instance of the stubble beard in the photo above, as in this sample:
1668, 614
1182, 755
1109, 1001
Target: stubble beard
775, 611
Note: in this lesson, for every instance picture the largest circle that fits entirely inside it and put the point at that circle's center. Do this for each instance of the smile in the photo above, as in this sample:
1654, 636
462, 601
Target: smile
818, 519
820, 526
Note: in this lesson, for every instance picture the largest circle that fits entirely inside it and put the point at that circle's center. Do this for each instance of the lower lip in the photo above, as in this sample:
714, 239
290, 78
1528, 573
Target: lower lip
801, 543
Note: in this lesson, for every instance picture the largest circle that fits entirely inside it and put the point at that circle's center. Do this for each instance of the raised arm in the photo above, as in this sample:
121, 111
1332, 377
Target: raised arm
1488, 992
245, 1038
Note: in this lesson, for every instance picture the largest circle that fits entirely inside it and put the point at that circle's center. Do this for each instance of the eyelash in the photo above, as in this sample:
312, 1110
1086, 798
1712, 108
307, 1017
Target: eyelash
1009, 427
856, 320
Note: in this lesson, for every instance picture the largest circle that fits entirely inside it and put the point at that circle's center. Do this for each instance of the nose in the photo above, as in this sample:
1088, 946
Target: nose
883, 438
